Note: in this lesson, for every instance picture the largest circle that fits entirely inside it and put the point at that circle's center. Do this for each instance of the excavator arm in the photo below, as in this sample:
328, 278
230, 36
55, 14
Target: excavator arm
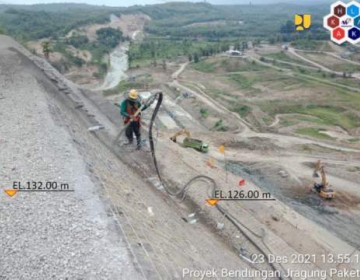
181, 132
323, 177
323, 188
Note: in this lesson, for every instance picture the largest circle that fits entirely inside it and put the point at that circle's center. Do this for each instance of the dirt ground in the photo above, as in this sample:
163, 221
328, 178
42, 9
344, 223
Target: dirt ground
160, 232
128, 24
160, 236
131, 25
275, 153
269, 99
261, 158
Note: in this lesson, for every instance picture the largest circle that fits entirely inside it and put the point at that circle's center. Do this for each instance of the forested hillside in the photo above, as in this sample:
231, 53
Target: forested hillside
175, 29
175, 20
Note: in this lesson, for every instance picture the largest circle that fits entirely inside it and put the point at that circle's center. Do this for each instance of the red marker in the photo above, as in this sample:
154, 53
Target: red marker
242, 182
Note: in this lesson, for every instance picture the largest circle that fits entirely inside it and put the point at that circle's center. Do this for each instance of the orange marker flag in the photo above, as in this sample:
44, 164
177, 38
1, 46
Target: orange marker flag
222, 149
10, 192
211, 162
212, 201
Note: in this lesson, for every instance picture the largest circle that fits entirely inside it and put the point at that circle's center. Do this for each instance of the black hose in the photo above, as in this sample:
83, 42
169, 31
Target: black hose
182, 191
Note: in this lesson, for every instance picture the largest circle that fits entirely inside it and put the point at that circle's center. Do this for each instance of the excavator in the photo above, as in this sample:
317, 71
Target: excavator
190, 142
322, 188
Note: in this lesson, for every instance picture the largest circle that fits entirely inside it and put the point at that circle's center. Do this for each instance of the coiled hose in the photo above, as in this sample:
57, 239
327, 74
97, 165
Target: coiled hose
182, 192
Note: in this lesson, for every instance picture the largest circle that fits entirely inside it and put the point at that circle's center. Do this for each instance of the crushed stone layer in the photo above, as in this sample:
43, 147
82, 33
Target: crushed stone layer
49, 235
156, 236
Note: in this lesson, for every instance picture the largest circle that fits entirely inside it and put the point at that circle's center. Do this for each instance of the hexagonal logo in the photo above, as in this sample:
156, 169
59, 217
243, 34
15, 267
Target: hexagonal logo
333, 21
352, 10
339, 10
343, 22
354, 33
339, 33
357, 22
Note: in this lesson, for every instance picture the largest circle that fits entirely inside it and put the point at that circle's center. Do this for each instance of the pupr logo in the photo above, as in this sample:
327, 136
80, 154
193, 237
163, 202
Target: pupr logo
302, 22
344, 22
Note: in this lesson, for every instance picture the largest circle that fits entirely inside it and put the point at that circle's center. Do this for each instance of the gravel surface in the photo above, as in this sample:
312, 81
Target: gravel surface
79, 239
49, 235
76, 235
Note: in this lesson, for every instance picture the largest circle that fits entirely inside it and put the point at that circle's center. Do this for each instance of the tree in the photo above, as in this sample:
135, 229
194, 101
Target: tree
130, 58
244, 45
257, 42
109, 37
288, 27
78, 41
196, 58
153, 50
46, 49
272, 41
224, 47
204, 113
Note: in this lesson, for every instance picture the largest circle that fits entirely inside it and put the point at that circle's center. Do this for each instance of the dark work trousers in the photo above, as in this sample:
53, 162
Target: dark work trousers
133, 127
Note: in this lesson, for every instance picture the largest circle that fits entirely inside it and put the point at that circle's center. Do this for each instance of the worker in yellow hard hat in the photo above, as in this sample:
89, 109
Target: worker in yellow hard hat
128, 109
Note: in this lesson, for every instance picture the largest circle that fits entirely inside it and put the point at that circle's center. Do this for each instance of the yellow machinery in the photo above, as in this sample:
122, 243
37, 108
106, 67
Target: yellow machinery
323, 187
190, 142
181, 132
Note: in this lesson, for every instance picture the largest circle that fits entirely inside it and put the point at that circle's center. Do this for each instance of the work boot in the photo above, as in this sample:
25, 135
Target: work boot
130, 141
138, 145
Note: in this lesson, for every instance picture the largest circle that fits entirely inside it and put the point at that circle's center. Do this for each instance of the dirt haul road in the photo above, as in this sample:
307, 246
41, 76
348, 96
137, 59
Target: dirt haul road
261, 156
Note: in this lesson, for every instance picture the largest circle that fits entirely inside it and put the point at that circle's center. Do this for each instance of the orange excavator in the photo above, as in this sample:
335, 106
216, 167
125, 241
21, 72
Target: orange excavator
323, 188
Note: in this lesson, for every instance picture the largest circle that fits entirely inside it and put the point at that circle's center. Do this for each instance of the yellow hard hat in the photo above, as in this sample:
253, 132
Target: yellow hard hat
133, 94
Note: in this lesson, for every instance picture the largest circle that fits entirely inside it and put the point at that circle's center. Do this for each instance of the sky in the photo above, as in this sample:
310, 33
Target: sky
125, 3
